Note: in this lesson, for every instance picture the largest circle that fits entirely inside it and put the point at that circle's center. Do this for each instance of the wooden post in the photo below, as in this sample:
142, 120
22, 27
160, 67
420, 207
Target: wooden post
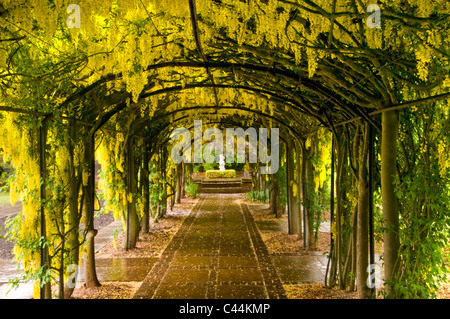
288, 151
390, 124
330, 257
132, 218
371, 221
145, 222
304, 193
127, 242
299, 190
90, 274
178, 182
362, 236
183, 179
45, 290
293, 206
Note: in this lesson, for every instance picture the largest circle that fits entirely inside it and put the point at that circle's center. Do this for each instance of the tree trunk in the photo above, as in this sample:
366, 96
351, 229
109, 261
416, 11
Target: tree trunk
293, 212
299, 191
362, 237
88, 212
133, 220
178, 184
311, 238
340, 150
183, 178
45, 290
163, 208
274, 196
261, 181
73, 233
353, 251
390, 124
307, 187
304, 195
145, 221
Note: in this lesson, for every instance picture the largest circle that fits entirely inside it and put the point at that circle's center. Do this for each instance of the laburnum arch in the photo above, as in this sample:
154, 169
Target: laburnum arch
115, 88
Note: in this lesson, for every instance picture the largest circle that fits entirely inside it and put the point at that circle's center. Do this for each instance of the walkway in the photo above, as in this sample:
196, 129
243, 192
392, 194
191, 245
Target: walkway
218, 253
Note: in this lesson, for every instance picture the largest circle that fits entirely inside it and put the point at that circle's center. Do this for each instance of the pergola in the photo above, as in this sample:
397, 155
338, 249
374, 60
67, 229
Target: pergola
305, 67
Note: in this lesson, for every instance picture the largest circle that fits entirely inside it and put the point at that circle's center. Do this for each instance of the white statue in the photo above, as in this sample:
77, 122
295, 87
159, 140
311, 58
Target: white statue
221, 163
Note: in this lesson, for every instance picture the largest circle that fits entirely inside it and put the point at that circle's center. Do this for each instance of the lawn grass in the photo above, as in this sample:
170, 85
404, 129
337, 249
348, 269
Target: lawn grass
4, 199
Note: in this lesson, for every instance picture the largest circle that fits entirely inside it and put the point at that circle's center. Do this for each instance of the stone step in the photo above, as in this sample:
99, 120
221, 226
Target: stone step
226, 190
221, 184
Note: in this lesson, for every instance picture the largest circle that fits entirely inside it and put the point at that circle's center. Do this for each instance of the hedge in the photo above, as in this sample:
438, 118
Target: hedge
228, 173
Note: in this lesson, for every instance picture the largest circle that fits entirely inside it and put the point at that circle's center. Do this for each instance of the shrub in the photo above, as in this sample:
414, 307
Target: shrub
191, 189
258, 196
228, 173
198, 168
210, 166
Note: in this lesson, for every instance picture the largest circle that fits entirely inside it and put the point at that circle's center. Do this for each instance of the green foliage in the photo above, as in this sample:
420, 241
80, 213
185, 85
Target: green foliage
191, 189
280, 176
261, 196
29, 246
228, 173
378, 218
156, 190
235, 165
4, 197
198, 168
320, 202
423, 191
210, 166
6, 178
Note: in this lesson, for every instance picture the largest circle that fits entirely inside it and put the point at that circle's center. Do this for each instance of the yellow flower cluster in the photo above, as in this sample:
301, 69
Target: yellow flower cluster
112, 182
443, 158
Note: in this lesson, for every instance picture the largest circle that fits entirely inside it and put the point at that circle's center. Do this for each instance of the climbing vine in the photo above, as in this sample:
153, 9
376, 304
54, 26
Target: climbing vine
422, 188
135, 69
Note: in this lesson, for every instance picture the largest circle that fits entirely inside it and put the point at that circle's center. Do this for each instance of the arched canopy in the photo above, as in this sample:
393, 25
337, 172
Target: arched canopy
287, 59
140, 68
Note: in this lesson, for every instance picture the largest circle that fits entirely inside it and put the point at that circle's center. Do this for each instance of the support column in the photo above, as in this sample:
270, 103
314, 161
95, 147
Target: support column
293, 207
307, 185
371, 218
178, 184
164, 151
73, 240
132, 218
274, 187
299, 191
183, 177
331, 259
390, 125
145, 222
362, 236
45, 290
88, 207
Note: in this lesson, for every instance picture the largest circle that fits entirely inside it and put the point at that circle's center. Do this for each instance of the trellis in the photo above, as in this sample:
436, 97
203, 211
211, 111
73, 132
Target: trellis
289, 85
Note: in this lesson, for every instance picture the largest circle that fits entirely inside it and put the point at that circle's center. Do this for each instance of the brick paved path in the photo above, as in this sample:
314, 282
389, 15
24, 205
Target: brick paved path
217, 253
